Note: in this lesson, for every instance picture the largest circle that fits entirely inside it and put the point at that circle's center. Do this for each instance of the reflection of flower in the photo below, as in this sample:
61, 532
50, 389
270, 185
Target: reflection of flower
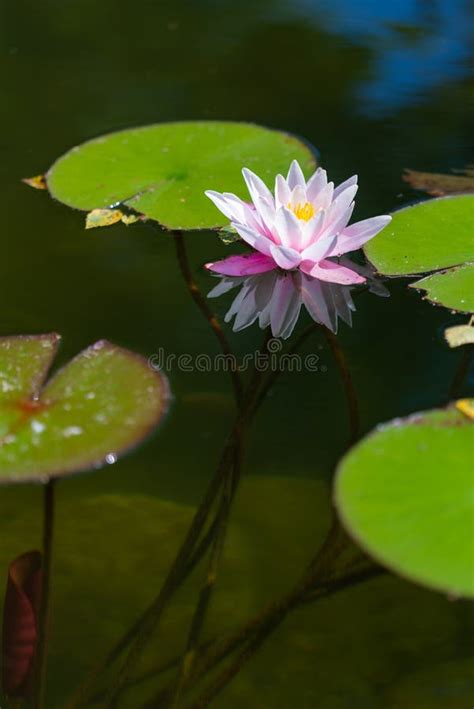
304, 227
298, 237
275, 299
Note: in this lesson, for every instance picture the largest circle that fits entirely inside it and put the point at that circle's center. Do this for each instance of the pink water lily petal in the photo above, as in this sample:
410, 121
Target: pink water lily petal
335, 273
312, 229
255, 239
355, 235
315, 184
317, 251
336, 227
288, 227
295, 176
340, 206
282, 191
285, 257
344, 185
256, 186
243, 265
324, 198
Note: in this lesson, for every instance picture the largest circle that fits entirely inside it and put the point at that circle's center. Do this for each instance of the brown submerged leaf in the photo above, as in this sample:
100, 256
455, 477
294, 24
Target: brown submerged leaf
438, 184
20, 613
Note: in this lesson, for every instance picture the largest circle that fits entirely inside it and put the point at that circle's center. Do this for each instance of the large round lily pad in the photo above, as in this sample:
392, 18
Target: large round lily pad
103, 402
425, 237
453, 288
405, 493
162, 170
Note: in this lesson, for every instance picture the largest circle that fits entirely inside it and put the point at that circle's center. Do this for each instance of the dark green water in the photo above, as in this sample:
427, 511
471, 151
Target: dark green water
377, 89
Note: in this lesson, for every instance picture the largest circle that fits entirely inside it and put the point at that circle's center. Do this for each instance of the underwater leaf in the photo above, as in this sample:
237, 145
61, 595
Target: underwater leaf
453, 288
106, 400
112, 551
429, 236
38, 182
460, 335
405, 494
20, 612
162, 170
440, 184
103, 217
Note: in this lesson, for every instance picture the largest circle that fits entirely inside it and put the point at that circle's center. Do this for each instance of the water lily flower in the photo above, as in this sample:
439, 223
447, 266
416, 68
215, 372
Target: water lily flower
303, 226
298, 237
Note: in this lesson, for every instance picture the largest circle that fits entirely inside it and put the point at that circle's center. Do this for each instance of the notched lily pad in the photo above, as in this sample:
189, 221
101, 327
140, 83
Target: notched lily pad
453, 288
105, 401
162, 170
428, 236
405, 493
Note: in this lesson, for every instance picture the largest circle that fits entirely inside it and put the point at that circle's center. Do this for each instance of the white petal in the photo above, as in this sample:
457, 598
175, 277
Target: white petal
282, 192
317, 251
285, 257
312, 228
315, 184
344, 185
298, 196
355, 235
288, 227
295, 176
324, 198
254, 239
256, 186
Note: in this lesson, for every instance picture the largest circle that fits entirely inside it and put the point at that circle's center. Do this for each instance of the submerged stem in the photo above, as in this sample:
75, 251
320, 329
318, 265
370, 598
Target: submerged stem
44, 611
210, 316
461, 371
349, 389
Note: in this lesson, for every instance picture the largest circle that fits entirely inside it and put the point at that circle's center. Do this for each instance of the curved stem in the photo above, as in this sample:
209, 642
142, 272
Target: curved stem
44, 612
203, 306
147, 624
461, 372
349, 389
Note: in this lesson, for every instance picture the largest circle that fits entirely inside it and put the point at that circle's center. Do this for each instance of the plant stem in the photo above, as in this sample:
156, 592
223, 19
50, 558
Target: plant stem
203, 306
461, 371
44, 611
202, 606
147, 624
349, 390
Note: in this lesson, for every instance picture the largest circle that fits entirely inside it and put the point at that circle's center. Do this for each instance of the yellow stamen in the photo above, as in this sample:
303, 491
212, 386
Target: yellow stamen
302, 211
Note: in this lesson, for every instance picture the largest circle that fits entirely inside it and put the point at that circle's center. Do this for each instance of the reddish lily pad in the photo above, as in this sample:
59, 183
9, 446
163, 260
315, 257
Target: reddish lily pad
105, 401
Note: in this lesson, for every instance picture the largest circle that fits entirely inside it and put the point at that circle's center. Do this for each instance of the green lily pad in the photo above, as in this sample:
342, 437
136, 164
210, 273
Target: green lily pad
430, 236
162, 170
405, 493
103, 402
453, 288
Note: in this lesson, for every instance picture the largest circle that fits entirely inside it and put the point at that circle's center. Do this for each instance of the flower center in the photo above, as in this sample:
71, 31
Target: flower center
303, 211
